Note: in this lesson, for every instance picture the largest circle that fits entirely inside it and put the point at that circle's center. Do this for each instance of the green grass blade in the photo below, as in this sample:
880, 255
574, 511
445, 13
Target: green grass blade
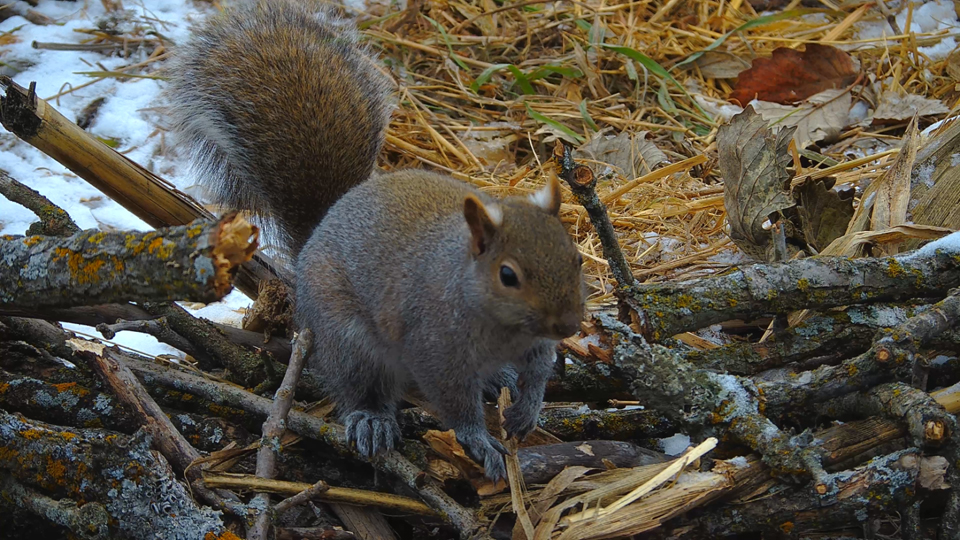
554, 124
522, 80
485, 76
586, 116
446, 40
653, 67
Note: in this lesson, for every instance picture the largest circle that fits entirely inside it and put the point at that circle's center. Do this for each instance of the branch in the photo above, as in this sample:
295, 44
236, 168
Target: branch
88, 521
332, 494
193, 262
53, 220
143, 193
312, 427
667, 309
583, 183
273, 429
111, 313
134, 485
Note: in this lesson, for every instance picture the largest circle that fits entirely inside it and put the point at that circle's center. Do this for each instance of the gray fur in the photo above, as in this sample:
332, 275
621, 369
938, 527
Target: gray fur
398, 305
285, 114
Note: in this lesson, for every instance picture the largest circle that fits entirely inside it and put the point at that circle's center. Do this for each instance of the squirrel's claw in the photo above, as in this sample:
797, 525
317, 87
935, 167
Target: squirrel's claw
484, 449
372, 433
520, 419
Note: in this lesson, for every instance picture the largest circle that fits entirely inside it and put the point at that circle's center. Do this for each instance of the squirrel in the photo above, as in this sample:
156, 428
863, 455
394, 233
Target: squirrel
407, 279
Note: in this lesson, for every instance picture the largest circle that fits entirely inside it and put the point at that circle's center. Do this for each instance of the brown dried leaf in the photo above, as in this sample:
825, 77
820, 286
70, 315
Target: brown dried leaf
821, 118
884, 203
445, 444
898, 106
855, 244
824, 212
791, 76
753, 162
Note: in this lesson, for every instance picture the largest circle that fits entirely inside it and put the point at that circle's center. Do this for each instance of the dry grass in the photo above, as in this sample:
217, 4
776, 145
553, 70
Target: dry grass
671, 227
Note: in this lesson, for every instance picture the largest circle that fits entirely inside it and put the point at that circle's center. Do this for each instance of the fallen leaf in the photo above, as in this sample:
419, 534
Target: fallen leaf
933, 472
855, 244
893, 188
791, 76
824, 212
953, 65
896, 106
629, 154
753, 162
445, 444
936, 180
721, 65
821, 118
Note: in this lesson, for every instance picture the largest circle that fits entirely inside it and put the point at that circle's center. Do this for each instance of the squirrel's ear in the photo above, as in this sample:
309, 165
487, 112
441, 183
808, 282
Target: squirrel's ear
483, 221
548, 197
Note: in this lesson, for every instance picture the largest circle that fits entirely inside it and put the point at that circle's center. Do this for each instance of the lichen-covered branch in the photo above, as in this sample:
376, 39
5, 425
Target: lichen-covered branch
825, 338
146, 195
135, 486
883, 484
191, 262
312, 427
64, 403
90, 520
110, 313
54, 221
666, 309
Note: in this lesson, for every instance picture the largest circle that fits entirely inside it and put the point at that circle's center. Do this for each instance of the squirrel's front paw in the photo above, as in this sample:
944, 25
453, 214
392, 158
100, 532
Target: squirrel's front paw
482, 448
372, 432
506, 377
520, 419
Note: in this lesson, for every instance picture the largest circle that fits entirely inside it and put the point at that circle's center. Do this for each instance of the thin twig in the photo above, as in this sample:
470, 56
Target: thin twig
273, 429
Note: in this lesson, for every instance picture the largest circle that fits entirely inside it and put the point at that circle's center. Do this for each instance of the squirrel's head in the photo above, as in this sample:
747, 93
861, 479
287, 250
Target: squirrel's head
529, 271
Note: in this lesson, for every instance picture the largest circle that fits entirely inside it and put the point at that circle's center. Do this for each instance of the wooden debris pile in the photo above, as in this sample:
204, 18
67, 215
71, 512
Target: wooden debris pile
803, 375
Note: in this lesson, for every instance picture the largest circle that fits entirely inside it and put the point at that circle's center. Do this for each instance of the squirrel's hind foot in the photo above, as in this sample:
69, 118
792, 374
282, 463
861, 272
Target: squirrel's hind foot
372, 432
484, 449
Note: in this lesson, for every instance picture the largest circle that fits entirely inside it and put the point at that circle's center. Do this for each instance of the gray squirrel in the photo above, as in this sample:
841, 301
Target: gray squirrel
407, 279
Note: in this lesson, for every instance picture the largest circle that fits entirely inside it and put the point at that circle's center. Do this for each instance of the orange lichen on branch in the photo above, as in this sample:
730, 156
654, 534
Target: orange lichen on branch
195, 262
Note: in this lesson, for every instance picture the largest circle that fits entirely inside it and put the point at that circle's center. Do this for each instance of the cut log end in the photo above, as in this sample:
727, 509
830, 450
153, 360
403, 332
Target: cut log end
235, 243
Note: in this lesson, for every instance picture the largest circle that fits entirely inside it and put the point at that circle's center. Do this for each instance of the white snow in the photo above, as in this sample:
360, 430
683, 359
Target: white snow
948, 244
131, 115
675, 444
932, 17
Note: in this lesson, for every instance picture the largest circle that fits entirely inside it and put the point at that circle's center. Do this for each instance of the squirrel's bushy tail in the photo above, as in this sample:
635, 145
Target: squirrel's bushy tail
282, 108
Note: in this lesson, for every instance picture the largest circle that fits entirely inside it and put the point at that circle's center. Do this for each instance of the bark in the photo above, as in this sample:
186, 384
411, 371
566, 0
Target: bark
663, 310
53, 220
825, 338
135, 487
91, 520
310, 426
194, 262
244, 367
143, 193
881, 485
65, 403
539, 464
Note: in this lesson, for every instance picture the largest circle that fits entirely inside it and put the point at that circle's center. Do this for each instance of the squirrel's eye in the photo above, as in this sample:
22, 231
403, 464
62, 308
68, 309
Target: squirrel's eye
579, 259
508, 277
